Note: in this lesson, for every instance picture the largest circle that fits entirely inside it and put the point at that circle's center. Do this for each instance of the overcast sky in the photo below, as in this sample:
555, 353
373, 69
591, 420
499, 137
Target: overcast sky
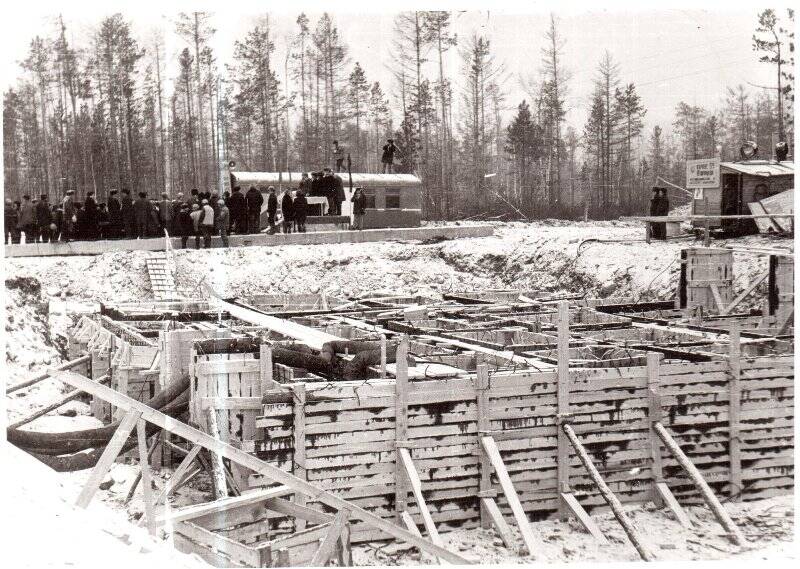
689, 52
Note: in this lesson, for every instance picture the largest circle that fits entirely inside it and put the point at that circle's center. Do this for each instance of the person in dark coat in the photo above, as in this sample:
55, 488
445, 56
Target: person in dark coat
254, 202
328, 187
305, 184
657, 230
154, 222
90, 217
115, 228
43, 219
316, 184
287, 209
80, 222
128, 216
387, 157
194, 197
300, 211
10, 219
339, 196
359, 200
238, 207
185, 224
141, 215
272, 208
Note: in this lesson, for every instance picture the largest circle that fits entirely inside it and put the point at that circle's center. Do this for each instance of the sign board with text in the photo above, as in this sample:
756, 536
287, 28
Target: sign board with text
702, 173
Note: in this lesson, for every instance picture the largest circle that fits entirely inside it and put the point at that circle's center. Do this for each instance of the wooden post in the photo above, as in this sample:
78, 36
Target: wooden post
735, 406
654, 416
383, 355
401, 426
562, 464
484, 425
144, 466
299, 431
118, 439
707, 494
707, 235
217, 466
609, 496
265, 368
648, 232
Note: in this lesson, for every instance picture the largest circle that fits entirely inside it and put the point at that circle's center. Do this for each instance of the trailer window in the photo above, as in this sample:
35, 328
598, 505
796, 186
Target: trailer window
392, 198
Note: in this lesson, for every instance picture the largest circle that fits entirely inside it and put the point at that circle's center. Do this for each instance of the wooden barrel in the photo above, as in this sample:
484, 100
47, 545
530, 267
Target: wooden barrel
705, 266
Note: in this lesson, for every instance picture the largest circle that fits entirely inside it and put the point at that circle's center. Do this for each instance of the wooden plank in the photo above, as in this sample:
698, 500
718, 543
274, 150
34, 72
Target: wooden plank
705, 491
217, 506
734, 414
416, 489
178, 475
745, 293
326, 548
499, 521
717, 297
118, 439
42, 376
144, 467
237, 552
583, 517
669, 500
609, 497
563, 401
299, 432
253, 463
308, 535
293, 509
528, 536
401, 423
188, 546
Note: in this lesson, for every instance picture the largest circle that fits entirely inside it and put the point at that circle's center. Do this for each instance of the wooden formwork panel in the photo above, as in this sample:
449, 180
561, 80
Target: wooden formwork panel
349, 434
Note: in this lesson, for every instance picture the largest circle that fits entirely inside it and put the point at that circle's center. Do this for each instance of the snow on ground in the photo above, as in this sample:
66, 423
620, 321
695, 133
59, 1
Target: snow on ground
768, 524
594, 258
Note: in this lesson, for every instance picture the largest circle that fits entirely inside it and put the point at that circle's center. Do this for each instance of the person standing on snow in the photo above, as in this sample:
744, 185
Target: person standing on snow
254, 201
287, 209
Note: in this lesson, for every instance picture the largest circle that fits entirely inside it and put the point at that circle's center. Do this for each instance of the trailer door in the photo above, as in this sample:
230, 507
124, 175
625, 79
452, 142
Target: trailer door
731, 202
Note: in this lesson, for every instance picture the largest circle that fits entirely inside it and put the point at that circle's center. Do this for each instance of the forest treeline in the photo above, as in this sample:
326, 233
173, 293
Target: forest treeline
104, 114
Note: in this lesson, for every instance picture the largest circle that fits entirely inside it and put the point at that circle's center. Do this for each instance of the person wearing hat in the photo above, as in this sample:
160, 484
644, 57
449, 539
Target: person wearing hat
114, 230
90, 217
387, 158
238, 206
185, 224
300, 208
359, 200
43, 219
287, 209
70, 216
206, 222
272, 209
141, 216
254, 201
128, 217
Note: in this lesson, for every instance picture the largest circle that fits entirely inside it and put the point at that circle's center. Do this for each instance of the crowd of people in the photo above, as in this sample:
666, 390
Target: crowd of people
200, 215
